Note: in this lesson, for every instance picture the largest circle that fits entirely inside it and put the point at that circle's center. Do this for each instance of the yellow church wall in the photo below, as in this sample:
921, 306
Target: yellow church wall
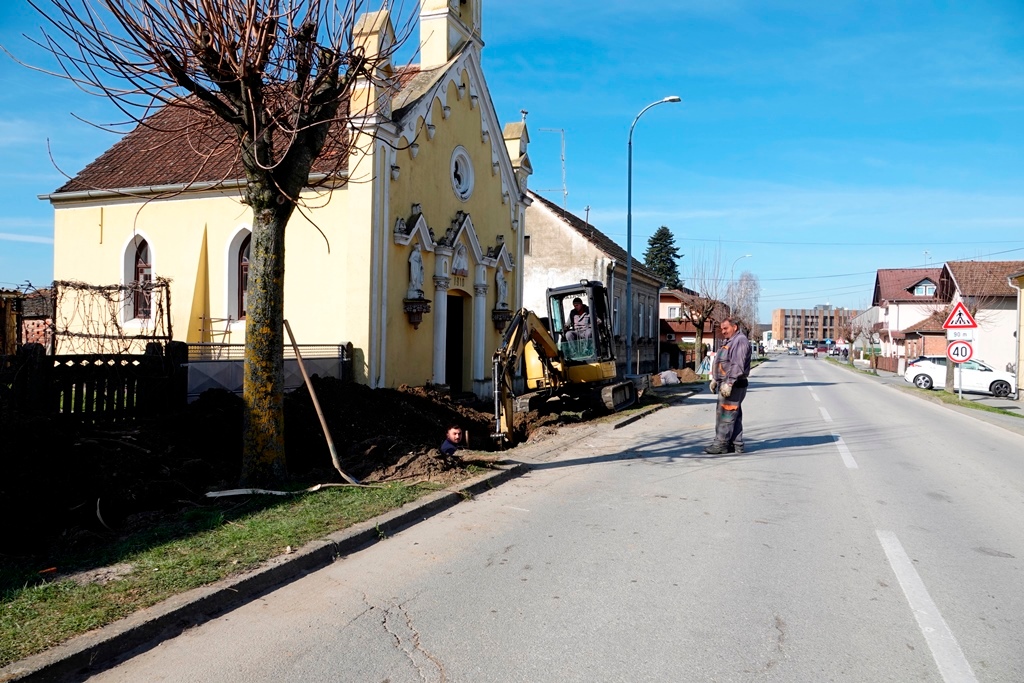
426, 180
90, 244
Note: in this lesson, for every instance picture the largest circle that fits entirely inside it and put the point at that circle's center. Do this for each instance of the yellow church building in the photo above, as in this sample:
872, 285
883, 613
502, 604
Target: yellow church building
414, 257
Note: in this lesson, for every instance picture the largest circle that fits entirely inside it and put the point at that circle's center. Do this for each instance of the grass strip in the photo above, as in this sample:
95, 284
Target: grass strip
851, 367
954, 400
939, 395
192, 549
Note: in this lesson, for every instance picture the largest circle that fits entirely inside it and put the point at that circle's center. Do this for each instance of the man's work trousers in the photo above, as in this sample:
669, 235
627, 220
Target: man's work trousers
729, 418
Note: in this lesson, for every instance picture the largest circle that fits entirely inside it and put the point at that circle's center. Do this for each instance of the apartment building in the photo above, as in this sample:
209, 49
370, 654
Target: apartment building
794, 325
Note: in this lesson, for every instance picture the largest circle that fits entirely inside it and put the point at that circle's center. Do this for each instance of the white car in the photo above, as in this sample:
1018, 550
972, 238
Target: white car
929, 372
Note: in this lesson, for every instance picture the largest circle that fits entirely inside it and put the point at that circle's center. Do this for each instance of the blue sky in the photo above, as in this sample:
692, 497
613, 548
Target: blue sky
826, 139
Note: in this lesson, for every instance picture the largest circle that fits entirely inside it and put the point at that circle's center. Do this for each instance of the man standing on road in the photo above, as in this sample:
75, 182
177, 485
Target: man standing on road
729, 379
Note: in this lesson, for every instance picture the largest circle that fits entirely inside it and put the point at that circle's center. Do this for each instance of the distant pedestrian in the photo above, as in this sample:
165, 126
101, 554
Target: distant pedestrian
452, 440
729, 380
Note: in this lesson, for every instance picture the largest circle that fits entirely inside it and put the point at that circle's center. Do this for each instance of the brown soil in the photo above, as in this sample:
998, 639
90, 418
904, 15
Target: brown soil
61, 480
687, 375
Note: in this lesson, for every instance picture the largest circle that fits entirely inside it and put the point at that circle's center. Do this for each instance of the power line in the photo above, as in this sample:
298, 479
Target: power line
852, 244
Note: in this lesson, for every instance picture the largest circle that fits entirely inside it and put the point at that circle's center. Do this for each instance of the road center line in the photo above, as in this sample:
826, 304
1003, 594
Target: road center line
953, 666
811, 389
825, 415
845, 453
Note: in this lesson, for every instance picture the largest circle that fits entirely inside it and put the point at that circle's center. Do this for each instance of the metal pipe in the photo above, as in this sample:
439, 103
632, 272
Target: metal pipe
316, 404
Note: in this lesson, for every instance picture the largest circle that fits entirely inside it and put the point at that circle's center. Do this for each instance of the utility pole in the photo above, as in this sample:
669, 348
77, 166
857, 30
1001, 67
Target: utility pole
565, 189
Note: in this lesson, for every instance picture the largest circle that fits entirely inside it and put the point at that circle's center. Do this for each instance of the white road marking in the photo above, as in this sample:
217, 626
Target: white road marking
510, 507
811, 389
845, 453
824, 414
953, 666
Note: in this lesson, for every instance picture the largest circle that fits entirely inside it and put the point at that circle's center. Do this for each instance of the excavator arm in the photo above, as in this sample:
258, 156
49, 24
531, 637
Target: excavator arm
525, 331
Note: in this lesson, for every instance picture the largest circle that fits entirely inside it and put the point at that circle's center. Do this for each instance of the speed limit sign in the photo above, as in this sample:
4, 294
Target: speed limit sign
959, 351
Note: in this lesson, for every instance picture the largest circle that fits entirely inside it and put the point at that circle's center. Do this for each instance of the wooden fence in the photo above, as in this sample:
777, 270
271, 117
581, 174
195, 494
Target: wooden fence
96, 388
886, 363
105, 388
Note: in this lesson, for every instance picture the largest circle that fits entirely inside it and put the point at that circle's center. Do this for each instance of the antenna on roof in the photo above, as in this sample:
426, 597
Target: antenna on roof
565, 190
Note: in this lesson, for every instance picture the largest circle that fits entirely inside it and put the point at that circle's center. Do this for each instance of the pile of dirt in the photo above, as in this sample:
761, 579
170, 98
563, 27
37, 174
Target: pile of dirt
687, 375
72, 482
374, 430
64, 480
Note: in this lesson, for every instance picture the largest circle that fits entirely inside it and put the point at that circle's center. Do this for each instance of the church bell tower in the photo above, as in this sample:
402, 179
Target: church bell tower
445, 26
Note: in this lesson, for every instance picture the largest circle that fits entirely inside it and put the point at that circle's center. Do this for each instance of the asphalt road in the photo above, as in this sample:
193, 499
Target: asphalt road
867, 536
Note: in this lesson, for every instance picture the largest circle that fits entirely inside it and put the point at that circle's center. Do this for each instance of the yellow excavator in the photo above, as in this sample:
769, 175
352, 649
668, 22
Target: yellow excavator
568, 355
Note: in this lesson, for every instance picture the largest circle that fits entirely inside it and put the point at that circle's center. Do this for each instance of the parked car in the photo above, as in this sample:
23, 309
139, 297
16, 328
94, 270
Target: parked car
929, 372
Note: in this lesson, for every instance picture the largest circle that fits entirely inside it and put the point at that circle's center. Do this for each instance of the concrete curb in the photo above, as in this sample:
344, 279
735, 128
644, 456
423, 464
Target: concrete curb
93, 651
97, 650
639, 416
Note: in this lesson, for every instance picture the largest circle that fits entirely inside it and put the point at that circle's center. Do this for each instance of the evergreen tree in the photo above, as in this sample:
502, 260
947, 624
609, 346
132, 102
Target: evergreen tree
661, 257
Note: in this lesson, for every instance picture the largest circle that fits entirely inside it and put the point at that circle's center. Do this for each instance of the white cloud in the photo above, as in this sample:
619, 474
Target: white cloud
34, 239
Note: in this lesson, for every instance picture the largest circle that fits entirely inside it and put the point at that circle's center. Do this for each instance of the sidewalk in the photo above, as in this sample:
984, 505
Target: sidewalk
76, 658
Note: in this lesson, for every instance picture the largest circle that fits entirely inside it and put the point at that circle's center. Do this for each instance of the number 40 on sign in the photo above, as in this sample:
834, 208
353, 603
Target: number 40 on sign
959, 351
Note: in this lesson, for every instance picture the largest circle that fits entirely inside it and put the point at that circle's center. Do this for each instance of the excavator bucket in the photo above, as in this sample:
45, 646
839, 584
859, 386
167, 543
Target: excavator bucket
618, 396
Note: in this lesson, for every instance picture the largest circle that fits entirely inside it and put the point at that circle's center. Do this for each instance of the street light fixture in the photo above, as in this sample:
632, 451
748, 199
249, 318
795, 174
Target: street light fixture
629, 230
732, 280
733, 269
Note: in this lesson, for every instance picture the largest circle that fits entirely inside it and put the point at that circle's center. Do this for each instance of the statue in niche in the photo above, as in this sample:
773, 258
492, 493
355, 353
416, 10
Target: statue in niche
460, 265
415, 273
502, 285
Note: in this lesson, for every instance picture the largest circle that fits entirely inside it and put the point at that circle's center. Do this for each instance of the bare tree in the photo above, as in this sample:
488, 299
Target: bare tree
848, 331
743, 296
705, 304
265, 90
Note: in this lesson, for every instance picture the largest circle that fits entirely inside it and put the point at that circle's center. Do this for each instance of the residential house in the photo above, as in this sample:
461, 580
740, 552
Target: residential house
983, 287
904, 297
564, 249
37, 318
411, 257
11, 301
927, 337
1016, 280
679, 334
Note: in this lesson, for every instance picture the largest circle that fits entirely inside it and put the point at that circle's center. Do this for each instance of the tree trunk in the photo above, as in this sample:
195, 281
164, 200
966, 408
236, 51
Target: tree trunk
263, 458
698, 347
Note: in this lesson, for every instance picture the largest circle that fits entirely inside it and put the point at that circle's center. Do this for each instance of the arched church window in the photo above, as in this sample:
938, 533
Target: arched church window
142, 296
243, 274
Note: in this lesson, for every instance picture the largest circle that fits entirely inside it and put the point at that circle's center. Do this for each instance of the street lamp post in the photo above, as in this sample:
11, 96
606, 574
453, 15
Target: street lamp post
629, 230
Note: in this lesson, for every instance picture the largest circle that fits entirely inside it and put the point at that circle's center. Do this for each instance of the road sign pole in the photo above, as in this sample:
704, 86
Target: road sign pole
960, 375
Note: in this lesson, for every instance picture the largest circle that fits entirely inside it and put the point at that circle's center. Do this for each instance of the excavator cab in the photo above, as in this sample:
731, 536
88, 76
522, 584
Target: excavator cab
579, 320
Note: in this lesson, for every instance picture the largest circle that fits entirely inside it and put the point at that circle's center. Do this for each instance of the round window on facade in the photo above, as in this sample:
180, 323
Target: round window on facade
462, 173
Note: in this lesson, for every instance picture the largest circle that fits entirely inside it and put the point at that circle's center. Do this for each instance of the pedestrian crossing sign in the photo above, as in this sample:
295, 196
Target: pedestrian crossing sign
959, 318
